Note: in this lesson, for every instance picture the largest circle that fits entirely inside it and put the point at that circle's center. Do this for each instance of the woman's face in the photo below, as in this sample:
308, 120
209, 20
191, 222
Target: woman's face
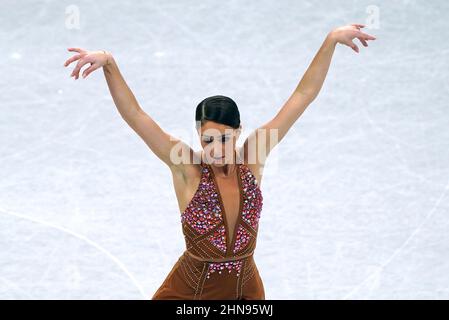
218, 142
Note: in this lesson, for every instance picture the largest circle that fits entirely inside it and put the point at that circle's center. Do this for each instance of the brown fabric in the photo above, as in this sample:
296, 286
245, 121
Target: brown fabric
212, 266
187, 280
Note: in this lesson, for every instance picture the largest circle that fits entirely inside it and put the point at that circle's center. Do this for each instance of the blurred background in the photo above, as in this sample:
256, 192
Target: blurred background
356, 197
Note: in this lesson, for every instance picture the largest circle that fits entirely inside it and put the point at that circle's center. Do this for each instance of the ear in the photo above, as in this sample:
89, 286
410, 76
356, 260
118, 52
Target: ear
239, 131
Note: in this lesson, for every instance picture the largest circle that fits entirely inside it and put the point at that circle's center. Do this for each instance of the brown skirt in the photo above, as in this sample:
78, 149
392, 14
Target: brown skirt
192, 279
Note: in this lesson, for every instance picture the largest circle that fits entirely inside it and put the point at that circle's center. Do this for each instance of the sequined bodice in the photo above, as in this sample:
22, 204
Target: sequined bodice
204, 221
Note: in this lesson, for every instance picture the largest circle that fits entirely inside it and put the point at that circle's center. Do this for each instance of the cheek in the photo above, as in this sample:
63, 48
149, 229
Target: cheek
207, 146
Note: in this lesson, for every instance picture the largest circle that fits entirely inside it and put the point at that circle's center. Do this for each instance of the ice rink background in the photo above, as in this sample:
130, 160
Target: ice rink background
356, 197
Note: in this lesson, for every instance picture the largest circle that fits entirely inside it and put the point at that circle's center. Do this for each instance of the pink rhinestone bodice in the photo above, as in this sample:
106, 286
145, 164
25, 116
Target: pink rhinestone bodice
204, 222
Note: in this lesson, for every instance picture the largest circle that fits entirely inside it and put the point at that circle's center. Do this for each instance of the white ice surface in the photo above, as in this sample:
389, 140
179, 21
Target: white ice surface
356, 197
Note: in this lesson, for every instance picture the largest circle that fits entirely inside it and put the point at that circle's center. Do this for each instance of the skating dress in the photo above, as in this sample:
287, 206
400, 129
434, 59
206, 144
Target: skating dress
213, 266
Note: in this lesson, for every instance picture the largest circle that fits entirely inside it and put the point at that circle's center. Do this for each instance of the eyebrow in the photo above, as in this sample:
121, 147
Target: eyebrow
227, 134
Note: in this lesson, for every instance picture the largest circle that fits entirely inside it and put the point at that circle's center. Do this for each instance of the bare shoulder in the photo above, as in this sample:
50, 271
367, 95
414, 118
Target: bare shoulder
186, 178
189, 169
193, 168
256, 167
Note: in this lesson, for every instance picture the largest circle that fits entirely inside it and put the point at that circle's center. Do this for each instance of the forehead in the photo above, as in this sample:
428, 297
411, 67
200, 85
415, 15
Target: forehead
211, 128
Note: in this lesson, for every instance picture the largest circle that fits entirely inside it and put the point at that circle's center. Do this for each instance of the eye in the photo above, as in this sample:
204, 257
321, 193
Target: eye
224, 138
208, 140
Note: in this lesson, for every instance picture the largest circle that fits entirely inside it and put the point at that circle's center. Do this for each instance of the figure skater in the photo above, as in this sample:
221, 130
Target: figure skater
218, 188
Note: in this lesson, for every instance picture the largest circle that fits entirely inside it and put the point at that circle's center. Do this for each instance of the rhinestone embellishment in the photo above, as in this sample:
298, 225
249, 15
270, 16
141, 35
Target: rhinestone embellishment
203, 211
218, 238
225, 266
242, 239
253, 200
204, 215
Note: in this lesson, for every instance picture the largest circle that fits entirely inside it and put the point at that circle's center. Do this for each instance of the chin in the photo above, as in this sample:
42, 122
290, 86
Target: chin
218, 164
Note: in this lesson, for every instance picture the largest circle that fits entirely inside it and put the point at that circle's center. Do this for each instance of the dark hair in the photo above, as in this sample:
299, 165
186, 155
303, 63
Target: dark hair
220, 109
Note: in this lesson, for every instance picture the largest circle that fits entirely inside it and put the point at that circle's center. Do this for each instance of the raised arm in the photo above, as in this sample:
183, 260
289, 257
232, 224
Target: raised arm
161, 143
305, 92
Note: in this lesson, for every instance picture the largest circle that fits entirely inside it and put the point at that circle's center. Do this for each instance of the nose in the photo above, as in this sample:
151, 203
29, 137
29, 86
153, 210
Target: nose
218, 150
218, 153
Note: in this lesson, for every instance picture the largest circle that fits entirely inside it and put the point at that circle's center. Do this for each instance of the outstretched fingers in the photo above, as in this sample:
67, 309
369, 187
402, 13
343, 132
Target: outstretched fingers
74, 58
363, 38
363, 41
78, 67
79, 50
92, 67
353, 46
366, 36
358, 26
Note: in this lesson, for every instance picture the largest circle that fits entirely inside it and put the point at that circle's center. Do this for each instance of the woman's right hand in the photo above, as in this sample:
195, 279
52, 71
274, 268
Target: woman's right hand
97, 59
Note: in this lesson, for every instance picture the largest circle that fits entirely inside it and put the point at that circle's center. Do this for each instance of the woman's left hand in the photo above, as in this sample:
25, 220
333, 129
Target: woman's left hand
346, 34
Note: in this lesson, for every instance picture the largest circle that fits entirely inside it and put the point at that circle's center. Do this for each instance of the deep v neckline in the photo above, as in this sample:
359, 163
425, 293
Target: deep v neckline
229, 244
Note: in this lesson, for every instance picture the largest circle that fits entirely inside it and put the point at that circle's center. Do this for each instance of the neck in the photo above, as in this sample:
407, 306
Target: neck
227, 170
